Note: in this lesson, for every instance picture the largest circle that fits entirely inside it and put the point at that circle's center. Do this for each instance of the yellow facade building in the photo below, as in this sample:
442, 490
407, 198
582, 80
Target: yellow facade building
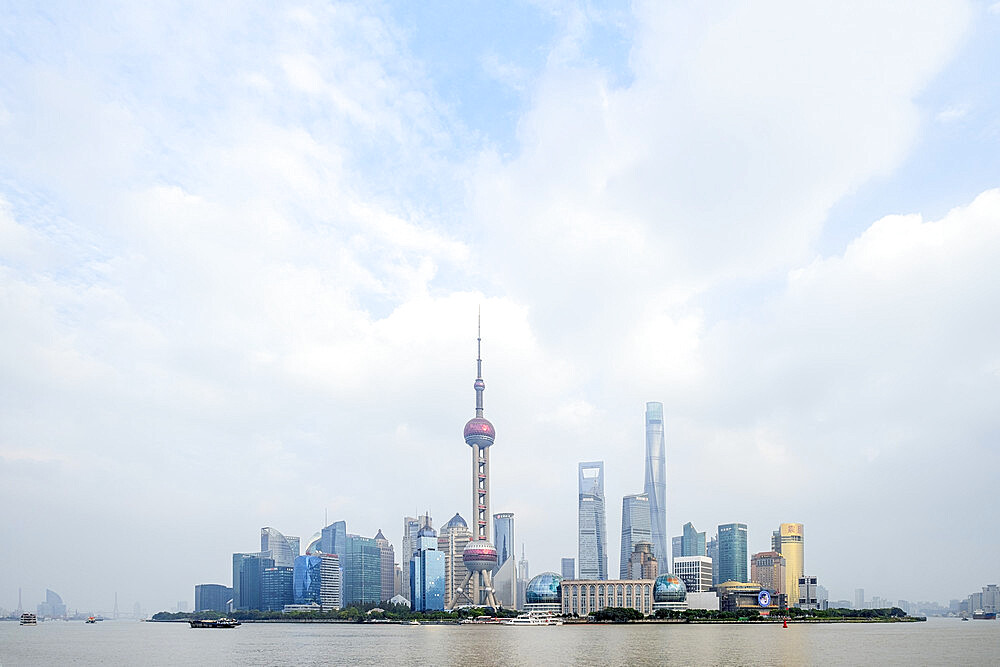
791, 536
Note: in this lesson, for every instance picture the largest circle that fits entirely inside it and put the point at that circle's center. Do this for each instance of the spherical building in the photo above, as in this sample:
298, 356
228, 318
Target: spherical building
669, 592
480, 556
479, 432
543, 587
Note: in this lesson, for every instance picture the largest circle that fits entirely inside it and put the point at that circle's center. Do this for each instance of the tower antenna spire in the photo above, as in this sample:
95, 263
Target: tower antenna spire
480, 384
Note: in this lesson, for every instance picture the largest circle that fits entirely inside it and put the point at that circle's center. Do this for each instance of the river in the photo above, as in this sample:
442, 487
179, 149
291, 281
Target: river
936, 642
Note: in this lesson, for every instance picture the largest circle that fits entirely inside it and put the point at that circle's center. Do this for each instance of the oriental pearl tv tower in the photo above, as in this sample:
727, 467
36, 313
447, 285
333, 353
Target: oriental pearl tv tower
479, 556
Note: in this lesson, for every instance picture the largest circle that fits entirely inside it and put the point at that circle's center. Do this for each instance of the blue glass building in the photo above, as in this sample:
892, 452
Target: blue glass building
333, 538
248, 569
361, 564
732, 552
692, 542
503, 537
427, 573
276, 587
307, 580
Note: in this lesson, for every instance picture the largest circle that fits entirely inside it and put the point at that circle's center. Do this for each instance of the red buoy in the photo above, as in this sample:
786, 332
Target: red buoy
785, 623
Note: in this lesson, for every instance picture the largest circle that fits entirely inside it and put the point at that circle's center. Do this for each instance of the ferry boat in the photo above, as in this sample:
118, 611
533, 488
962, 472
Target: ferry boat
980, 615
534, 618
219, 623
28, 618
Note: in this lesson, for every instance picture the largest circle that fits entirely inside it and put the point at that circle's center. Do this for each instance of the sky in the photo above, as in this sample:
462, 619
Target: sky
243, 247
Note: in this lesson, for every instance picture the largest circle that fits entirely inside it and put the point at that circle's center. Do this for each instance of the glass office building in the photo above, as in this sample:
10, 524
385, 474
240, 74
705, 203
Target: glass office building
283, 549
248, 569
276, 587
593, 539
212, 597
635, 529
427, 582
733, 552
361, 564
503, 536
307, 579
692, 542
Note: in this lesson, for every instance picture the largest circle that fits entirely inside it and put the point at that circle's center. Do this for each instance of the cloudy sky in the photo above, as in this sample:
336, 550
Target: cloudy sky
242, 249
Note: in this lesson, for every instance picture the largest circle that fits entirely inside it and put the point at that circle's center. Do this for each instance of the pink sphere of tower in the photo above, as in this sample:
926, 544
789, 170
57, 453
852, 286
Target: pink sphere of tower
479, 432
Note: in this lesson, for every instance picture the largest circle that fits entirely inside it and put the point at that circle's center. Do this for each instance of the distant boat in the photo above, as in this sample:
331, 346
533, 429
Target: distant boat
219, 623
29, 619
981, 615
533, 618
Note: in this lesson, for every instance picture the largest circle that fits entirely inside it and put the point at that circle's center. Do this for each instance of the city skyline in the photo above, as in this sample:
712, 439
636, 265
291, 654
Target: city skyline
241, 255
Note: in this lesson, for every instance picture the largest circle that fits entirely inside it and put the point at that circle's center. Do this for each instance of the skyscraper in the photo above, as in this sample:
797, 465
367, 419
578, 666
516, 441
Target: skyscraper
284, 550
593, 540
427, 573
307, 579
480, 556
212, 597
792, 548
692, 542
361, 564
411, 526
333, 538
568, 568
635, 529
331, 582
387, 562
452, 540
503, 537
277, 587
248, 571
712, 549
656, 482
767, 568
733, 552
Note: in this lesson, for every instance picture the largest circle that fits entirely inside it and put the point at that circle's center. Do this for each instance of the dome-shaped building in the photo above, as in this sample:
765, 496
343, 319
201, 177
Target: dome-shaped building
454, 522
543, 593
669, 592
426, 531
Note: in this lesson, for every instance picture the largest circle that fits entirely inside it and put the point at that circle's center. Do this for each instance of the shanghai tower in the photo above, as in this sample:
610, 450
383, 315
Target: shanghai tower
655, 486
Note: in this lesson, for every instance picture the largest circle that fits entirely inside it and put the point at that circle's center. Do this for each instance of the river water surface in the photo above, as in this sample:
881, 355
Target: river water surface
936, 642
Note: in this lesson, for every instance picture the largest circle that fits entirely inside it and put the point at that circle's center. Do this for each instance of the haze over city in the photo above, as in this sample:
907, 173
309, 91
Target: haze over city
243, 249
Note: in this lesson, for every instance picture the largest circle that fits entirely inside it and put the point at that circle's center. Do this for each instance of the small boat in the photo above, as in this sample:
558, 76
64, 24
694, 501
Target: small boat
28, 618
92, 619
217, 623
414, 622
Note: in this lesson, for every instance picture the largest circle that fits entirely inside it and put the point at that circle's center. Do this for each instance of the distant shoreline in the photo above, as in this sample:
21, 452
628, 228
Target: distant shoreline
584, 622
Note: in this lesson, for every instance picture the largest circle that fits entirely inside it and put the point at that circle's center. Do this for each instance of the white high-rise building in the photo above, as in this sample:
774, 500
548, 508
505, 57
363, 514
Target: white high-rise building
452, 540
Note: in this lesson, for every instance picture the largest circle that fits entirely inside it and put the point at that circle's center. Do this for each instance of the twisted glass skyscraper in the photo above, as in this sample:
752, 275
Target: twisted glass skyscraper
656, 482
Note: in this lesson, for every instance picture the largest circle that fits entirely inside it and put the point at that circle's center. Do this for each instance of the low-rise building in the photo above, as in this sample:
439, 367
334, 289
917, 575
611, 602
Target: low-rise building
582, 596
695, 571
